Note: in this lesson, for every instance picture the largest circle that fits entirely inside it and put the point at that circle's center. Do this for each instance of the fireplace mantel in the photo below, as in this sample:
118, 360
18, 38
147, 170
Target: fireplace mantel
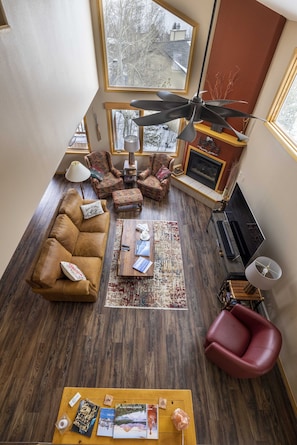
223, 147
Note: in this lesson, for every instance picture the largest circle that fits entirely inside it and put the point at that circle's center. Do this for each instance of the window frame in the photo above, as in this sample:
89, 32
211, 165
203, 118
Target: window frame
72, 149
178, 14
290, 76
110, 107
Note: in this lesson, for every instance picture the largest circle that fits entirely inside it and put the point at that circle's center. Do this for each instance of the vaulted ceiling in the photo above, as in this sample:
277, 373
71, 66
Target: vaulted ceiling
287, 8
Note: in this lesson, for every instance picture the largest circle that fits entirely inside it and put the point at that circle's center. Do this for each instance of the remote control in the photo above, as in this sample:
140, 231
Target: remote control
74, 399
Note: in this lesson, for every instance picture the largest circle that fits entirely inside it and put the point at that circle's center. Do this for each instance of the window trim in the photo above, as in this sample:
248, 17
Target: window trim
109, 107
279, 133
172, 10
80, 150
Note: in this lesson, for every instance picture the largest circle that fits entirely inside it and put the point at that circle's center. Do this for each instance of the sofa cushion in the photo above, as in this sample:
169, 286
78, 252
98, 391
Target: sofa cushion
99, 223
70, 205
90, 244
72, 271
92, 268
65, 231
91, 210
47, 270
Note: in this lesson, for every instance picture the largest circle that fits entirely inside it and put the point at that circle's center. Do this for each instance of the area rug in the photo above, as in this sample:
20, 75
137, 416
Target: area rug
166, 290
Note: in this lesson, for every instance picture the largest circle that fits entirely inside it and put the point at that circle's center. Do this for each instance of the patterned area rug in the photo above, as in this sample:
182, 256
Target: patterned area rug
166, 290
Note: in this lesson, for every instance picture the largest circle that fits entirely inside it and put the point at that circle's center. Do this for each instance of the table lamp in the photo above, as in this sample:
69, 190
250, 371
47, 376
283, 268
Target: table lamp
77, 172
131, 145
262, 273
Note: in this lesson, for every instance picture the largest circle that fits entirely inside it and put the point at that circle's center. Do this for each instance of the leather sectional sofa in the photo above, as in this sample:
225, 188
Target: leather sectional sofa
77, 239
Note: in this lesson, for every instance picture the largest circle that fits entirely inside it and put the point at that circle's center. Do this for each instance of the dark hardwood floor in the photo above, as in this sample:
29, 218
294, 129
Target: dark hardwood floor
46, 346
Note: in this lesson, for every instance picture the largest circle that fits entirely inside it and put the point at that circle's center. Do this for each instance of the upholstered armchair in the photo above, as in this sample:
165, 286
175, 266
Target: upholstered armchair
105, 178
154, 182
243, 343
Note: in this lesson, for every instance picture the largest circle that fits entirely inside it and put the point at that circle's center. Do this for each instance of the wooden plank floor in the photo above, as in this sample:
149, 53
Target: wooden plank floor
46, 346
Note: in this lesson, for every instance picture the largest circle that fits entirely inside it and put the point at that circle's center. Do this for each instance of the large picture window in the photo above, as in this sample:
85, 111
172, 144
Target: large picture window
147, 46
282, 118
152, 139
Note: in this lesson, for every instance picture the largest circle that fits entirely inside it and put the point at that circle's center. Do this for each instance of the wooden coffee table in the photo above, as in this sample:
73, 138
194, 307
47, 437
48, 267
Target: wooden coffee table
127, 258
167, 432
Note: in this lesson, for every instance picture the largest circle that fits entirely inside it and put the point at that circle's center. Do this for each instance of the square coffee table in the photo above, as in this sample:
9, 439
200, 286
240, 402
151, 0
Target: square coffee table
127, 257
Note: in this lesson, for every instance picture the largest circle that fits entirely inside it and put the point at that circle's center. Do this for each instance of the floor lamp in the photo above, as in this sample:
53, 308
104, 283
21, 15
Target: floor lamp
77, 172
262, 273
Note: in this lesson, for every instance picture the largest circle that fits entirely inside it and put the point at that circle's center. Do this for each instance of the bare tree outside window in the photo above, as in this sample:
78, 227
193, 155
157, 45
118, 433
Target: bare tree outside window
145, 45
287, 117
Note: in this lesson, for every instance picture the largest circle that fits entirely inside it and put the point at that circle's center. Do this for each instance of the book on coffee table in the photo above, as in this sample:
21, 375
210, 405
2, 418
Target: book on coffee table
85, 418
136, 421
142, 264
106, 422
142, 248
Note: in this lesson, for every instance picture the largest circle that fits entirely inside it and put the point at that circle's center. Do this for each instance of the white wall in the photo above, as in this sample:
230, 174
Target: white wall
268, 178
48, 78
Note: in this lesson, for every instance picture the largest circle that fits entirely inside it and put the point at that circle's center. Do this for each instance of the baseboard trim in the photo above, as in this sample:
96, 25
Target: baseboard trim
287, 386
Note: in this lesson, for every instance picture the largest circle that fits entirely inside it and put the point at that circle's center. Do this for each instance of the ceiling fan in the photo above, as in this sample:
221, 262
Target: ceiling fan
193, 110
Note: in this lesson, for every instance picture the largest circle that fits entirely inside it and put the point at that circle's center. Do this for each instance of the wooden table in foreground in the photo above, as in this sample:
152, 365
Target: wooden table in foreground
127, 258
176, 398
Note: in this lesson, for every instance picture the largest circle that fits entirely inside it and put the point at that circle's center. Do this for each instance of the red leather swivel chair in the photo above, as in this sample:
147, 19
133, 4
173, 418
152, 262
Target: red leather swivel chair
243, 343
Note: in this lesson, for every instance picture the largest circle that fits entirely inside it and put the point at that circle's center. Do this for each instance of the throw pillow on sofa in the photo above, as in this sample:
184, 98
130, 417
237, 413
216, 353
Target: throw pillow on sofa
72, 271
163, 173
93, 209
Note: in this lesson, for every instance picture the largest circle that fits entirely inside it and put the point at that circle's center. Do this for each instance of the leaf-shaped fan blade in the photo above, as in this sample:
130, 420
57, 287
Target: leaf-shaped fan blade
164, 116
154, 105
211, 116
229, 112
189, 133
222, 102
166, 95
151, 119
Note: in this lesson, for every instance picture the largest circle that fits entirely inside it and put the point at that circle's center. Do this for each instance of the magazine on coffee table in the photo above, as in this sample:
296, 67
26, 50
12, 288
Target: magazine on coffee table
142, 264
106, 422
142, 248
136, 421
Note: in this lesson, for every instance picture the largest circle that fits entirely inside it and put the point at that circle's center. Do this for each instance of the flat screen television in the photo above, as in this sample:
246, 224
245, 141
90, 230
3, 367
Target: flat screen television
245, 228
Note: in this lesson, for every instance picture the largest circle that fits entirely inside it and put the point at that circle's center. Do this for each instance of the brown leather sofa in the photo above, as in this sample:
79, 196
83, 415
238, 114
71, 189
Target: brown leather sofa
76, 240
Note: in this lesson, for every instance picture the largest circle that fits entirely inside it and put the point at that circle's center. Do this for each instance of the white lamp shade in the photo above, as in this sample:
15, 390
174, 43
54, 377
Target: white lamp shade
263, 273
77, 172
131, 143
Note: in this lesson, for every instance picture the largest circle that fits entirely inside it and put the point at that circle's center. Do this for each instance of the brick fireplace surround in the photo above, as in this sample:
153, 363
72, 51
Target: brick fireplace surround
221, 149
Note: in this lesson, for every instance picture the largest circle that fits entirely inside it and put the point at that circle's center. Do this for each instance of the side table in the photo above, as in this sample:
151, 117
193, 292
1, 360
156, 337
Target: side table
232, 291
130, 173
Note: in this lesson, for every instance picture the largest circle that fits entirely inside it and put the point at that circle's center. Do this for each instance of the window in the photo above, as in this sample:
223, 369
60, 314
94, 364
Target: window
147, 46
282, 118
153, 139
79, 142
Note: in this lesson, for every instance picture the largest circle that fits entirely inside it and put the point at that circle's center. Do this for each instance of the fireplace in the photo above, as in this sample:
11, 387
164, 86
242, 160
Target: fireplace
204, 168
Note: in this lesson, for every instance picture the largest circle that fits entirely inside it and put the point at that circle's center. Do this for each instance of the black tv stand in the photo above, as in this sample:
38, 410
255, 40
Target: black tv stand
228, 262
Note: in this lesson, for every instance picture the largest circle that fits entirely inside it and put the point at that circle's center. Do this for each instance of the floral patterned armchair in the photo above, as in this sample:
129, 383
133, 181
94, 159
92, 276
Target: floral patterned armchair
154, 182
105, 178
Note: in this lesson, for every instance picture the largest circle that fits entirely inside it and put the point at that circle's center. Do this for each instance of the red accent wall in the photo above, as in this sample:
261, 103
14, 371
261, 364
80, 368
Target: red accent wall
246, 37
